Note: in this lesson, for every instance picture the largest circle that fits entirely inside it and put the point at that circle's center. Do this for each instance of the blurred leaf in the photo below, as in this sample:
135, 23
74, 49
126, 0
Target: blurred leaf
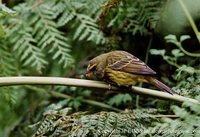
157, 52
171, 37
2, 32
5, 10
177, 53
75, 103
120, 99
186, 68
86, 93
184, 37
180, 111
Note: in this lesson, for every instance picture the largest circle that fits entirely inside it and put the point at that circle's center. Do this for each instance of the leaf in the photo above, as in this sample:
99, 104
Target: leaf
171, 37
88, 30
177, 53
49, 36
185, 68
86, 93
120, 99
75, 103
157, 52
180, 111
28, 52
2, 32
5, 10
184, 37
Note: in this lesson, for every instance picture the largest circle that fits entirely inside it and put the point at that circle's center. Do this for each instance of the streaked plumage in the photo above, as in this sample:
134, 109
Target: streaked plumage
123, 69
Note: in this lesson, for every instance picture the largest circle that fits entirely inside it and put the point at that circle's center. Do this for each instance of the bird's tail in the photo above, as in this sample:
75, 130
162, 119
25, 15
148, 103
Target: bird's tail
161, 85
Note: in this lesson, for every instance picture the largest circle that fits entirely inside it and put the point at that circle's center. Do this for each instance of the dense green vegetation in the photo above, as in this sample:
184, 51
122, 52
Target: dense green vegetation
59, 37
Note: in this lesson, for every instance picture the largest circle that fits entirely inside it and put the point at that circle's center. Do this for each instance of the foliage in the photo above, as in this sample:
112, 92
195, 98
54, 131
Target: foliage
184, 71
58, 37
34, 39
59, 122
187, 123
119, 99
37, 35
188, 76
4, 12
138, 16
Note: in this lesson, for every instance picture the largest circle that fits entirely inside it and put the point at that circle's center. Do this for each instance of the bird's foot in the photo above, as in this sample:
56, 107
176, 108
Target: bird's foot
109, 86
126, 87
120, 88
111, 89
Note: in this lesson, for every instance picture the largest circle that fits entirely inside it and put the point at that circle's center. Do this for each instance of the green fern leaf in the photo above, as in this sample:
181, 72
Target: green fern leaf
120, 99
25, 47
48, 35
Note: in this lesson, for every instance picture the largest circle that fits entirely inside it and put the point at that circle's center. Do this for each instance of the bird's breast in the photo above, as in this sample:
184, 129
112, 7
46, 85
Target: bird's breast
122, 78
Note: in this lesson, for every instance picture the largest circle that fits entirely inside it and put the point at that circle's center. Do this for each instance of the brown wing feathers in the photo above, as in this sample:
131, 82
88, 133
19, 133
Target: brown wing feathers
129, 64
161, 85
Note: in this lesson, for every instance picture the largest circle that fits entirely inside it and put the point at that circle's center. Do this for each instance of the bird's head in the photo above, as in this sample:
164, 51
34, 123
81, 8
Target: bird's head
96, 67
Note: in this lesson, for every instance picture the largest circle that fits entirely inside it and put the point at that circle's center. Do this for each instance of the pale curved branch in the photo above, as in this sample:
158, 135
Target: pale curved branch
10, 81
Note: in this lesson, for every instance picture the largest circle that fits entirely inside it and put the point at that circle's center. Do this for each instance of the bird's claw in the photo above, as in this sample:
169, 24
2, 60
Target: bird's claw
109, 86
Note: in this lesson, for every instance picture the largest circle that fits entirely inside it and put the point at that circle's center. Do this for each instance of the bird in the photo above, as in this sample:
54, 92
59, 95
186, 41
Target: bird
120, 68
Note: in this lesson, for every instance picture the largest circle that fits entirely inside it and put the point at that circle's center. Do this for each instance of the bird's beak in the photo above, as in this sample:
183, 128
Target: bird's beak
89, 74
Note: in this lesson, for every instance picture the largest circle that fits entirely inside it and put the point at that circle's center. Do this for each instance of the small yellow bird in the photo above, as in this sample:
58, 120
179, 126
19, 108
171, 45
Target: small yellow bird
123, 69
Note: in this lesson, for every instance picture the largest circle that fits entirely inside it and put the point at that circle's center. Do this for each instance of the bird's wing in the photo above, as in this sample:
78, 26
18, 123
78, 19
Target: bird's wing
128, 63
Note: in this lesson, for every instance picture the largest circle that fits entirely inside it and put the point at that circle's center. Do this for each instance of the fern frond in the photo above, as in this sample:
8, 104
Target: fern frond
187, 123
84, 22
48, 35
136, 16
120, 99
67, 13
7, 62
98, 124
25, 47
94, 9
88, 30
147, 16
